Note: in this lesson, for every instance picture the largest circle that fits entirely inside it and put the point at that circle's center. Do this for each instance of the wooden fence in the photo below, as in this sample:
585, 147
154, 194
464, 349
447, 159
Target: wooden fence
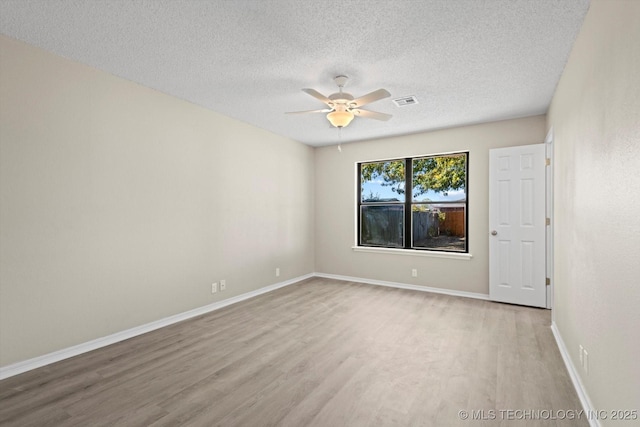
453, 224
383, 225
428, 224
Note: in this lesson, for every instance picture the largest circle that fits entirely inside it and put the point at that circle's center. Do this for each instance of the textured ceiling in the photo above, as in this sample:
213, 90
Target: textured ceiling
467, 61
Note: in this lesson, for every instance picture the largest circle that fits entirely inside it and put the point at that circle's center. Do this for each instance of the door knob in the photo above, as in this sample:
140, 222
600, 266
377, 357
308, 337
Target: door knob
494, 233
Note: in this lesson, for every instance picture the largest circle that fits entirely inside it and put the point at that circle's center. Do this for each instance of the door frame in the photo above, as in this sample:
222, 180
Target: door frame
549, 212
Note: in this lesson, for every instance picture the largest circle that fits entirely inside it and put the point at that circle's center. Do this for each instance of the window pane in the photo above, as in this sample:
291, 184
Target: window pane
439, 226
382, 225
382, 182
442, 178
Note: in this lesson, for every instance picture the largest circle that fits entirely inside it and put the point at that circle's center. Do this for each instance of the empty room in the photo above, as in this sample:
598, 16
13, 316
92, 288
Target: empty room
319, 213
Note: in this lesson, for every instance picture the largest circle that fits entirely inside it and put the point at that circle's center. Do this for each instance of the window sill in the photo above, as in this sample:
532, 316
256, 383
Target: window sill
430, 254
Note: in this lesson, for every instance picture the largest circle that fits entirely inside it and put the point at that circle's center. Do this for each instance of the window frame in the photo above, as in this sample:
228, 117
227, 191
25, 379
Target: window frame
407, 235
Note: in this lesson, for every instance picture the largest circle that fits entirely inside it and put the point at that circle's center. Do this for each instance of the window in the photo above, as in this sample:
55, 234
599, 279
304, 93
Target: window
415, 203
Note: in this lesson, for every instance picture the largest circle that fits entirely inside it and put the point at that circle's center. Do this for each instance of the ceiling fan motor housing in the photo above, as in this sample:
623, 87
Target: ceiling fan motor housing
341, 98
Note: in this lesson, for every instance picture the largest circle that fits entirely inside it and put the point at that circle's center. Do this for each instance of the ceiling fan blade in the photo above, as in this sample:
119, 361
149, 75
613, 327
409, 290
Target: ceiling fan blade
326, 110
370, 97
372, 114
318, 95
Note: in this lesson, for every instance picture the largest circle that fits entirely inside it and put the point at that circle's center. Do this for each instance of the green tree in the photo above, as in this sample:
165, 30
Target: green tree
439, 174
391, 173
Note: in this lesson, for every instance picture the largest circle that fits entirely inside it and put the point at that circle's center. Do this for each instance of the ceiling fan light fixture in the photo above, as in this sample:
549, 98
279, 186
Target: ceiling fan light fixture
340, 119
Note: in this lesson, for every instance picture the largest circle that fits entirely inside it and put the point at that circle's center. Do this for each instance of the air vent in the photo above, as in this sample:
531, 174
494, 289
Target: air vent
405, 100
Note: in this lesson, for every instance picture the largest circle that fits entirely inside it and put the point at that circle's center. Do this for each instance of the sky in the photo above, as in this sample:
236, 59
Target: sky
385, 192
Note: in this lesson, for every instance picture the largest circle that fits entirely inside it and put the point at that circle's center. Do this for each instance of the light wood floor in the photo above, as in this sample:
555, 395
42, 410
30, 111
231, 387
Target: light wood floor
318, 353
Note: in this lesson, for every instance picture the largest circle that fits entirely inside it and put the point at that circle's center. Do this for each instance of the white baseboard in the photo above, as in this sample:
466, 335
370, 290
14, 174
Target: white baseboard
65, 353
575, 378
405, 286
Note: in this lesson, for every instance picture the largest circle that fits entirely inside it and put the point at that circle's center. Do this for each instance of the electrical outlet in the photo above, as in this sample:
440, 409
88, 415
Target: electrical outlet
214, 287
223, 285
277, 271
414, 272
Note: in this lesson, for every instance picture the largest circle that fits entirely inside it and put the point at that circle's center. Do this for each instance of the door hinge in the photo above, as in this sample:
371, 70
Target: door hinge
548, 282
547, 161
548, 221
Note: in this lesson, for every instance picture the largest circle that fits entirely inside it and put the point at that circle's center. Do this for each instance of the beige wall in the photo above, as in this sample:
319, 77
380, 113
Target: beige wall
120, 205
595, 115
336, 194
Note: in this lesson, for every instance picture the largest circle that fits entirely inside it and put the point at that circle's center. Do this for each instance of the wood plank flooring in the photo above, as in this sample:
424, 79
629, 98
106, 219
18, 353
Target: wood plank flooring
318, 353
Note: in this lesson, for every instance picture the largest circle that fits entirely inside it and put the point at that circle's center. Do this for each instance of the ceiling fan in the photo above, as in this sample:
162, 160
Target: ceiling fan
343, 106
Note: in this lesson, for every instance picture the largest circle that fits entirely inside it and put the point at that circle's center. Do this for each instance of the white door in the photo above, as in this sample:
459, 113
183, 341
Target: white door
517, 225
